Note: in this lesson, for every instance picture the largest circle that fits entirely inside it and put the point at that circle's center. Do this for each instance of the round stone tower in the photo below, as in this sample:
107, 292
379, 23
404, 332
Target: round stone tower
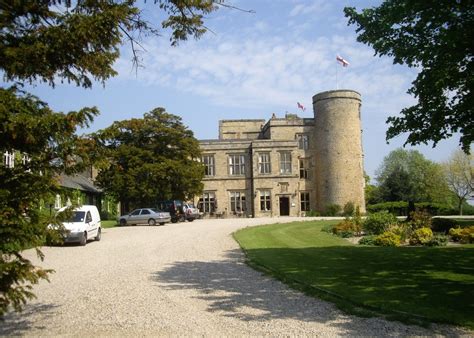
338, 149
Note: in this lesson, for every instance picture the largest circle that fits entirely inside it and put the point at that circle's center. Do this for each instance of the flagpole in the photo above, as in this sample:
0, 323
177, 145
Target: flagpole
337, 84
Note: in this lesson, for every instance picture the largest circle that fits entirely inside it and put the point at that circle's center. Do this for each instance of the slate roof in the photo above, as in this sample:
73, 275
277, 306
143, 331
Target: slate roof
79, 182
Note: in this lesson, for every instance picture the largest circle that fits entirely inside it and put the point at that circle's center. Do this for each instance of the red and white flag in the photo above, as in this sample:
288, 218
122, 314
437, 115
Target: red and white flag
344, 62
300, 106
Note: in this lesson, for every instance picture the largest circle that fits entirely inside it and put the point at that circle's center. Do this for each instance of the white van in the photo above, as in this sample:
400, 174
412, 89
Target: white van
83, 225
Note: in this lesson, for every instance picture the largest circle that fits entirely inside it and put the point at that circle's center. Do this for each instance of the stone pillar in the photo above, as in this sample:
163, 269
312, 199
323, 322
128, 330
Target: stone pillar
338, 149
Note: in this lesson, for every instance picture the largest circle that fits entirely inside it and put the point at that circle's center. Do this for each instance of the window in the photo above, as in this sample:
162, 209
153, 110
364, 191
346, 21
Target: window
135, 213
57, 202
304, 168
265, 200
9, 159
236, 164
285, 162
207, 203
145, 212
209, 165
264, 163
88, 217
237, 201
305, 201
303, 141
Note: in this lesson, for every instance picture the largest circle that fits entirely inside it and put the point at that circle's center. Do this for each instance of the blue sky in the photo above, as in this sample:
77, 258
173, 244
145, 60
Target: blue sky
251, 66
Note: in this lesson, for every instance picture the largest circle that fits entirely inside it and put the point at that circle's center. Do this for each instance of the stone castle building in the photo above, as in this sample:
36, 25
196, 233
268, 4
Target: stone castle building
286, 166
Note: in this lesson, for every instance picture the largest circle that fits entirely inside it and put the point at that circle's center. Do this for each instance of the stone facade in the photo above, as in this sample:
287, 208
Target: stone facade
286, 166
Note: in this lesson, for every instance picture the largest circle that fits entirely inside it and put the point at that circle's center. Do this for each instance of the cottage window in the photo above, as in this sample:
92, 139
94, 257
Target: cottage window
57, 202
9, 159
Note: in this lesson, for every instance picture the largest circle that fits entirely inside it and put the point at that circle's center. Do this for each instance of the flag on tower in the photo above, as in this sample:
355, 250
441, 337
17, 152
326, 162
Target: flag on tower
344, 62
300, 106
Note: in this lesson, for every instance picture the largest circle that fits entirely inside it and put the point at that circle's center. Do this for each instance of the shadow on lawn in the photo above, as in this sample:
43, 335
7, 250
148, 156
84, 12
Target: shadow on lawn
232, 289
436, 283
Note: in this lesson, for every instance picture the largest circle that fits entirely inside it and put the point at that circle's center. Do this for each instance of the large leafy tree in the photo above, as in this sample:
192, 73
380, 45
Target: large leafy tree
436, 38
49, 41
406, 175
149, 159
459, 172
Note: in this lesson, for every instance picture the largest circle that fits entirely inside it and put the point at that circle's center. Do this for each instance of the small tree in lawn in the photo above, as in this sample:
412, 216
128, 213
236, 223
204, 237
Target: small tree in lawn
459, 172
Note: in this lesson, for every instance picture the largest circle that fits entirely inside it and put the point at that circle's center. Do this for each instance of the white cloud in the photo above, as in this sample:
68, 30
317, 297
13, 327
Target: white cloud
317, 7
265, 71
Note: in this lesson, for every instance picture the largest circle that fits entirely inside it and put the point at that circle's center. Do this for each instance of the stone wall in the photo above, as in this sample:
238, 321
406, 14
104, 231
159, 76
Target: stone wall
333, 159
240, 129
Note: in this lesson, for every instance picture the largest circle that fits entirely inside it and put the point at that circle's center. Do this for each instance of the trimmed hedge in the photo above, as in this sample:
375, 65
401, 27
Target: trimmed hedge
401, 208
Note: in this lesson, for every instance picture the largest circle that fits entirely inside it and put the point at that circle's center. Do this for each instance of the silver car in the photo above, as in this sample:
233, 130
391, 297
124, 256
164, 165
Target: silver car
148, 216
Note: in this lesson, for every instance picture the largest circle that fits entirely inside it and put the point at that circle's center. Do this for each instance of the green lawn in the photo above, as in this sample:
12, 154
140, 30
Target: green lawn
412, 284
109, 224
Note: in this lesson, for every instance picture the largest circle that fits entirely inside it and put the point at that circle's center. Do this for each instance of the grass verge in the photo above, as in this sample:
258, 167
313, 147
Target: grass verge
411, 284
109, 224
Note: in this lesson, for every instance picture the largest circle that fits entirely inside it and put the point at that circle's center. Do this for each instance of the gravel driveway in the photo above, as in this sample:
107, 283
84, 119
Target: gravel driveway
179, 279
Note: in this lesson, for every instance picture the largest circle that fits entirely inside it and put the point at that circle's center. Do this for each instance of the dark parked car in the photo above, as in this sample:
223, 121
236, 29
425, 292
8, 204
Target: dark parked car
148, 216
177, 210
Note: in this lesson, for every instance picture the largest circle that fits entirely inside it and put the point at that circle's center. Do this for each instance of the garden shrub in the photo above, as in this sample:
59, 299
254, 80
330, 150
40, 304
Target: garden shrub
348, 209
455, 234
438, 240
345, 229
368, 240
402, 230
379, 222
332, 210
463, 235
388, 238
421, 236
443, 224
357, 220
312, 213
327, 228
420, 219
